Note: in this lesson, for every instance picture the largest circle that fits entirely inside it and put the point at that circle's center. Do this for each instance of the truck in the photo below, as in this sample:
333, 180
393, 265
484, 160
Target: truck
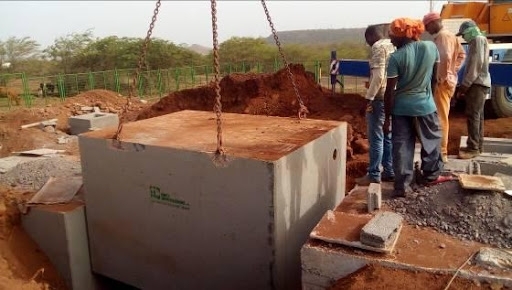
493, 17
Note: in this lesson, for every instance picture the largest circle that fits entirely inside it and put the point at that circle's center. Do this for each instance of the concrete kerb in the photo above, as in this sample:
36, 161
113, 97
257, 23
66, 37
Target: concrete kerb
333, 265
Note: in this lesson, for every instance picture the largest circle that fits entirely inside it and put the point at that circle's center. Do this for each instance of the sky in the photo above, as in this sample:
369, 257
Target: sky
190, 21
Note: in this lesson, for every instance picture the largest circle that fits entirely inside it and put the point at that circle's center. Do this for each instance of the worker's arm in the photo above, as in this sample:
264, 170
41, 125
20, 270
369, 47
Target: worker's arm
389, 95
434, 80
461, 56
378, 67
476, 58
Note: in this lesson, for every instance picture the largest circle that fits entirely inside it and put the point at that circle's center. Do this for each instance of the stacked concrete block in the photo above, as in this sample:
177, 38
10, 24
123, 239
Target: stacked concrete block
381, 230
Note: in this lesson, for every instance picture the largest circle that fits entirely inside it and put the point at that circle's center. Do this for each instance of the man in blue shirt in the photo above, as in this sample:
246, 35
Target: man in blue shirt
410, 107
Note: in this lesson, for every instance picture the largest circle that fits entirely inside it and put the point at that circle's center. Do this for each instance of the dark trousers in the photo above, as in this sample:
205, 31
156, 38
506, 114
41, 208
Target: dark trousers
475, 100
405, 131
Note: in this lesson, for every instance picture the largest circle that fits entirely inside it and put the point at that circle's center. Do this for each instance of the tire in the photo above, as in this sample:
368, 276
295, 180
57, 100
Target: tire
501, 100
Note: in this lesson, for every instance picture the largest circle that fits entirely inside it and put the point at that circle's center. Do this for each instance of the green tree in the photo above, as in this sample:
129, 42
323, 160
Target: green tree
16, 49
66, 48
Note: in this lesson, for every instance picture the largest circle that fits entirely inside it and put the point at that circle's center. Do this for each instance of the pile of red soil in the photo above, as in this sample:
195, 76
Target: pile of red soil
269, 94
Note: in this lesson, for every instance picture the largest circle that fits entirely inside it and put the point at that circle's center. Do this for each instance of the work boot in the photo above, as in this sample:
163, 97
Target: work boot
468, 154
401, 192
366, 180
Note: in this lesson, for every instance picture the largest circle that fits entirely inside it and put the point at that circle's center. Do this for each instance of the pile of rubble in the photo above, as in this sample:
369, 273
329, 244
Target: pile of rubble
482, 216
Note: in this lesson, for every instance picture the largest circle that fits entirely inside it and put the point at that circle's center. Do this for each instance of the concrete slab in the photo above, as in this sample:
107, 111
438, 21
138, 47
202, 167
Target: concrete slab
481, 182
83, 123
161, 212
506, 179
60, 231
494, 145
345, 229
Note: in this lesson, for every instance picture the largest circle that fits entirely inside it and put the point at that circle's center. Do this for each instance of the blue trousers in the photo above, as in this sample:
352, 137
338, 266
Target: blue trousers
380, 143
405, 131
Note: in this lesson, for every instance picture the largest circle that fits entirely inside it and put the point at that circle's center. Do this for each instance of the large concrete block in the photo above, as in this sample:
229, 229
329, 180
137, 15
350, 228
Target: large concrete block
84, 123
60, 231
161, 215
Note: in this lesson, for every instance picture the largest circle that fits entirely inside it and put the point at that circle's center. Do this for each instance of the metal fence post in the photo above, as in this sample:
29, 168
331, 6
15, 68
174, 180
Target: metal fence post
159, 83
26, 92
60, 87
177, 78
117, 84
91, 81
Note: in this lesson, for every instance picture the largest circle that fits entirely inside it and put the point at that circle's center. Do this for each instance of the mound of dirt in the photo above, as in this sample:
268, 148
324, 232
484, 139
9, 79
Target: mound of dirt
268, 94
480, 216
14, 139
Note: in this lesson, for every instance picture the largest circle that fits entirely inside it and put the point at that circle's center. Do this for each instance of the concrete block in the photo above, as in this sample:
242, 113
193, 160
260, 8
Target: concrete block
380, 230
161, 212
374, 197
60, 231
481, 182
83, 123
494, 145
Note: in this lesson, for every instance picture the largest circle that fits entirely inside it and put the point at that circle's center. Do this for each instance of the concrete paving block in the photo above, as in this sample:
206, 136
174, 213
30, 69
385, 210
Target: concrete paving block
83, 123
374, 197
380, 230
60, 231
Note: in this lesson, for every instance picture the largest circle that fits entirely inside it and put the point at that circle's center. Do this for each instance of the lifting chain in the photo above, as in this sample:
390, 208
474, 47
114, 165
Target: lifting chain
303, 110
142, 59
219, 157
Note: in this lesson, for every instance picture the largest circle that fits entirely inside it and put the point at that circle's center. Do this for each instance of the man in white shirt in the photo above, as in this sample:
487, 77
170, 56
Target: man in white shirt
380, 143
334, 68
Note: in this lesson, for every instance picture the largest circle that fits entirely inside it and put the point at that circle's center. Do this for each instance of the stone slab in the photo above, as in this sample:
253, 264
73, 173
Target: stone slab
481, 182
344, 229
381, 230
57, 190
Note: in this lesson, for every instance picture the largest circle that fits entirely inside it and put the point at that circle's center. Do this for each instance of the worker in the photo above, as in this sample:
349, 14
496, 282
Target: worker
475, 85
410, 107
380, 143
334, 68
451, 55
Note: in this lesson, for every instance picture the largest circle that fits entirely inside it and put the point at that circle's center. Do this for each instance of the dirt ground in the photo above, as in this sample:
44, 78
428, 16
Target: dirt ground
265, 94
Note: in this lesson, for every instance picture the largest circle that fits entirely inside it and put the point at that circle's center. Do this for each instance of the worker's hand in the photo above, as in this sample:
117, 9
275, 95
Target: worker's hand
367, 85
462, 91
367, 108
387, 126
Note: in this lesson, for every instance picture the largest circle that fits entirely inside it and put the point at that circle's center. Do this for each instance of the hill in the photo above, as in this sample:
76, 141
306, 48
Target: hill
320, 36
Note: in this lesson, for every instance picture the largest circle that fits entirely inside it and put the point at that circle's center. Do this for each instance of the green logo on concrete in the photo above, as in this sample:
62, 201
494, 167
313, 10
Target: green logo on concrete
161, 197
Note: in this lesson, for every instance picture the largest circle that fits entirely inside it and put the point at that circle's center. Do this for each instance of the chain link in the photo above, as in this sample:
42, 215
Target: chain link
142, 59
219, 157
303, 110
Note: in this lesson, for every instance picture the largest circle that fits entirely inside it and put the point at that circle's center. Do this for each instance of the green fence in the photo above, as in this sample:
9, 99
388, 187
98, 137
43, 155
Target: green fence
151, 84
